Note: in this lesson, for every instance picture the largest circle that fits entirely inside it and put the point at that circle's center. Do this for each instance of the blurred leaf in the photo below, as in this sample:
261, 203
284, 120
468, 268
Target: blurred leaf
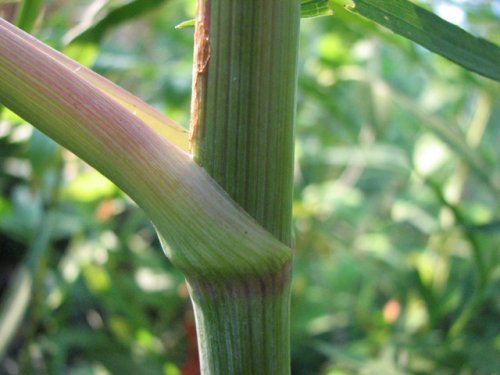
8, 148
97, 278
453, 136
434, 33
42, 152
84, 53
379, 156
5, 206
26, 212
414, 215
19, 293
14, 302
90, 186
171, 369
491, 227
430, 154
28, 13
315, 8
484, 356
354, 360
93, 31
101, 349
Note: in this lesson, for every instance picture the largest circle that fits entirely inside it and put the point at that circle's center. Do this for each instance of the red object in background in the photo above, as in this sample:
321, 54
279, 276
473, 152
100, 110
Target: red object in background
192, 364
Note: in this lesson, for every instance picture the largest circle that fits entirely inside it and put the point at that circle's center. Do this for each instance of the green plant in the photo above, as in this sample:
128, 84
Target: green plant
190, 209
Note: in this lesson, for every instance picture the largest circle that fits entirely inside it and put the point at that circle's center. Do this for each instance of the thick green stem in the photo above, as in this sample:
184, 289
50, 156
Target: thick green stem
243, 112
242, 134
243, 325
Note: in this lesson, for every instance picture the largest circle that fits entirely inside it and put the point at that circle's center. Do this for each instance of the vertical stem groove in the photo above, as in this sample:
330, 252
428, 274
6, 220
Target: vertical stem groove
244, 104
242, 133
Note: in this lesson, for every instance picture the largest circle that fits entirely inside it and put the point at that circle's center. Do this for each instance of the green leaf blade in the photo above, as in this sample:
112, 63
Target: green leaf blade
94, 32
432, 32
315, 8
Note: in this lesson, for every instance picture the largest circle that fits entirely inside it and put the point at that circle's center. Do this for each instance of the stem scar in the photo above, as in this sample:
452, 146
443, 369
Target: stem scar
202, 52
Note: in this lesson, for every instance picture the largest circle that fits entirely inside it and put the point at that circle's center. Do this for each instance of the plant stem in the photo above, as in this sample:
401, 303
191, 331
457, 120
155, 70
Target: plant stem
198, 223
245, 103
242, 121
243, 325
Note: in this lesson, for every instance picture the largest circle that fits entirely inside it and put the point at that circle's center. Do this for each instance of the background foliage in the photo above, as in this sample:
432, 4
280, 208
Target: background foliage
397, 208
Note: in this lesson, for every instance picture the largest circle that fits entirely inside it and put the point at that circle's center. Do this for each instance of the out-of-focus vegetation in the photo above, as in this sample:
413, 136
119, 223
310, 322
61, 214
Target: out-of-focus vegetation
397, 206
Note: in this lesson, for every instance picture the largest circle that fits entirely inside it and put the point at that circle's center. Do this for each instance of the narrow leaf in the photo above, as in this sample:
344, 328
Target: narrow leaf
315, 8
432, 32
28, 13
94, 31
185, 24
15, 300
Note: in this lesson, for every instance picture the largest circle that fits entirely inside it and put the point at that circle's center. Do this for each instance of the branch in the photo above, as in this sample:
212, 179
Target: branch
199, 224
